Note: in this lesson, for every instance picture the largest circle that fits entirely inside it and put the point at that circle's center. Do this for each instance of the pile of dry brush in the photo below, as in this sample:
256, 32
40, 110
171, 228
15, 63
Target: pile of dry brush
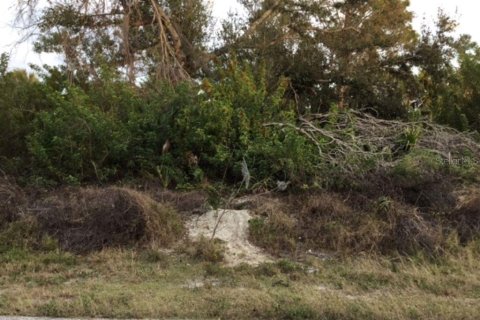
87, 219
352, 135
336, 223
410, 186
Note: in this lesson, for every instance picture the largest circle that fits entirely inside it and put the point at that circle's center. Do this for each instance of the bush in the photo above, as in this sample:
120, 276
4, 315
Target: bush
22, 96
77, 142
54, 131
228, 125
105, 130
283, 155
151, 126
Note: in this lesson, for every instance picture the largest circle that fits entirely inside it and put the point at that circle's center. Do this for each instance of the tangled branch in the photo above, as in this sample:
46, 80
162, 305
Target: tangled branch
348, 138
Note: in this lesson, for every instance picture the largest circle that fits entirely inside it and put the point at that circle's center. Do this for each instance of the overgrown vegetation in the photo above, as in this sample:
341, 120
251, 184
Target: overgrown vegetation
199, 111
326, 224
235, 124
353, 135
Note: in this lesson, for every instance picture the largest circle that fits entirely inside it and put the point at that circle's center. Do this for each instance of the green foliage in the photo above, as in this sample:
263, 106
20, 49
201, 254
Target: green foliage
22, 96
94, 131
93, 120
357, 54
451, 93
76, 141
284, 155
113, 95
90, 37
409, 139
230, 124
330, 51
469, 88
60, 130
152, 125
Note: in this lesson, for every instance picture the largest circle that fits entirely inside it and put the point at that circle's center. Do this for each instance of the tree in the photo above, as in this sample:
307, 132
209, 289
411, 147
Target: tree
360, 54
370, 42
155, 37
441, 84
22, 95
454, 98
4, 60
469, 75
355, 53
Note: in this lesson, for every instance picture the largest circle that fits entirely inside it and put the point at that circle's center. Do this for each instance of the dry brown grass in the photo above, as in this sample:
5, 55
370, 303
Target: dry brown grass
152, 283
184, 202
13, 201
466, 217
329, 222
204, 249
380, 226
273, 228
86, 219
408, 232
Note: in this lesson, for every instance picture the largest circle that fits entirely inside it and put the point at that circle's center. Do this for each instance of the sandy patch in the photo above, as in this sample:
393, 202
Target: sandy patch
233, 230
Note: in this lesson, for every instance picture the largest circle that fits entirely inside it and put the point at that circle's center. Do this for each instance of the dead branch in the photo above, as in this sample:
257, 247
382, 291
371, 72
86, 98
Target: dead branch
355, 135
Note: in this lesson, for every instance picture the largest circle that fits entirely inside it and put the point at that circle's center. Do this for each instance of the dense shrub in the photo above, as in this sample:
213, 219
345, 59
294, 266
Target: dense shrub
22, 96
60, 130
54, 130
76, 141
151, 126
229, 125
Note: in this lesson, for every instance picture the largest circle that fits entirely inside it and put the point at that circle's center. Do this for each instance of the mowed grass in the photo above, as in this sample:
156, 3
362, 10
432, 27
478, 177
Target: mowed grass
153, 284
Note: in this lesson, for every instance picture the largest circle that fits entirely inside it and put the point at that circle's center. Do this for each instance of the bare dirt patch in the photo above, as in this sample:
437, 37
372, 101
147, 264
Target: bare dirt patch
230, 226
